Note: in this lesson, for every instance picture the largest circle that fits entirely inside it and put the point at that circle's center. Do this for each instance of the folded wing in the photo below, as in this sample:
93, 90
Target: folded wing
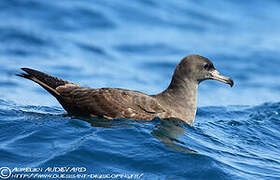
110, 103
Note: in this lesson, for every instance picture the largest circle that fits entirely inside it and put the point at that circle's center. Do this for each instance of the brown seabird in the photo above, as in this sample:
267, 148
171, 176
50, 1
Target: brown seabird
178, 101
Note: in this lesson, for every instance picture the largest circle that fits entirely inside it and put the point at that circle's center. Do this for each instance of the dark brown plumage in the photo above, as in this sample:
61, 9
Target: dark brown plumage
177, 101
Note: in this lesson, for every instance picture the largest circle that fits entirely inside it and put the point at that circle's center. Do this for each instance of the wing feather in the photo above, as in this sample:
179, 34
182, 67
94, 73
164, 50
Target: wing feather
110, 103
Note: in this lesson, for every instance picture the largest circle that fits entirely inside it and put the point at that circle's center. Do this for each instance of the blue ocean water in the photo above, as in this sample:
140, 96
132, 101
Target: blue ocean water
136, 45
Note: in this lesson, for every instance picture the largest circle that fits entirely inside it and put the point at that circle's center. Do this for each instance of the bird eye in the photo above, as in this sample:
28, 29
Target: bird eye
206, 66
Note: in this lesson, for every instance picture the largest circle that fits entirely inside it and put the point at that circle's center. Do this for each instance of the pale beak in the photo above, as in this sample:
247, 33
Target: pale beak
216, 76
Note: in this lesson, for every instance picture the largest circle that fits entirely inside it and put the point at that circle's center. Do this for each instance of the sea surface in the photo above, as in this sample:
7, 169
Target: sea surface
136, 44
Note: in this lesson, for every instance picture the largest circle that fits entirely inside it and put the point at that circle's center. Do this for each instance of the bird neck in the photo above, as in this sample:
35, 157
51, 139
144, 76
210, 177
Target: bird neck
181, 96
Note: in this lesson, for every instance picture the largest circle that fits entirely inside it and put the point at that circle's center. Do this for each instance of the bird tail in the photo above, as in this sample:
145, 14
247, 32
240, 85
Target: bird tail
48, 82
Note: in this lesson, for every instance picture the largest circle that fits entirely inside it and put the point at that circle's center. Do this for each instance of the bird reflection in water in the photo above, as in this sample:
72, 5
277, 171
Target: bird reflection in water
167, 130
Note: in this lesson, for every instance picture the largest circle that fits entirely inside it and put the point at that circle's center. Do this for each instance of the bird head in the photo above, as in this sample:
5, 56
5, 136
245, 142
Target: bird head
198, 68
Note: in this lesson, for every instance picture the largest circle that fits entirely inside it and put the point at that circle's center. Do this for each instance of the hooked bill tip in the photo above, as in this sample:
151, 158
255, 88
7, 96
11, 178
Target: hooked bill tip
230, 82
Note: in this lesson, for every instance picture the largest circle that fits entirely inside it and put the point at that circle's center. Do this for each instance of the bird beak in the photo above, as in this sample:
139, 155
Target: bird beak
216, 76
